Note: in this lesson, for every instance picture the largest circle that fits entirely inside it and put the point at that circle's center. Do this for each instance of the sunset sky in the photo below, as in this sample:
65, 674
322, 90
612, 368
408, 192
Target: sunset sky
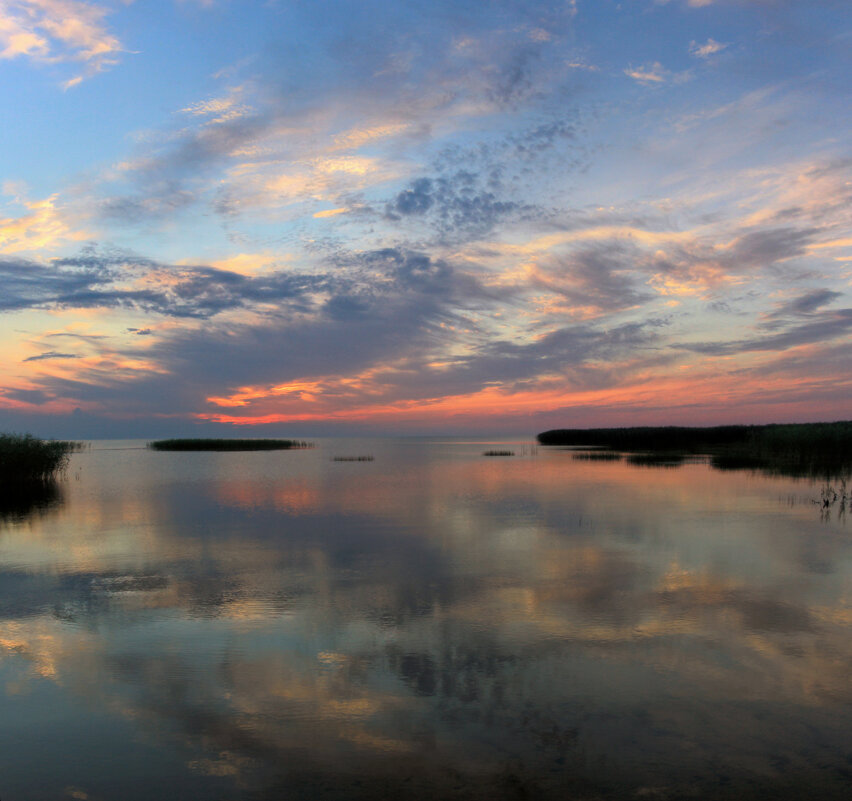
316, 217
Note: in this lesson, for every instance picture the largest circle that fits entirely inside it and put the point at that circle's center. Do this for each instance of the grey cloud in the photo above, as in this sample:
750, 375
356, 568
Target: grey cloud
94, 281
371, 308
807, 303
804, 305
542, 137
513, 80
79, 337
769, 246
392, 308
751, 252
417, 199
598, 276
577, 353
455, 204
51, 354
35, 397
27, 284
521, 147
823, 328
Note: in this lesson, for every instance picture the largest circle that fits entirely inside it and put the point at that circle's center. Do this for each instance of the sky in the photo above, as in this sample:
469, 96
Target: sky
496, 217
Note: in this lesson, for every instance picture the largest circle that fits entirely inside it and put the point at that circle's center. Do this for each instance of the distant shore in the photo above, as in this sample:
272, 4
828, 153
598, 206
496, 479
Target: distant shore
793, 448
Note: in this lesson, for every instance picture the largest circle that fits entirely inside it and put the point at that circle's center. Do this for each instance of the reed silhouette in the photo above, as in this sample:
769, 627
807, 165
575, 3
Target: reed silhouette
226, 444
819, 450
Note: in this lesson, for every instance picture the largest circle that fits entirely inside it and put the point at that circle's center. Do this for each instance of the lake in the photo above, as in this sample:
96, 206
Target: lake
433, 623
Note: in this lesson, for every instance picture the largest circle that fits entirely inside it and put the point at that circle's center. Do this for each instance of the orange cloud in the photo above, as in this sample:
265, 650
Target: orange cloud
42, 228
58, 30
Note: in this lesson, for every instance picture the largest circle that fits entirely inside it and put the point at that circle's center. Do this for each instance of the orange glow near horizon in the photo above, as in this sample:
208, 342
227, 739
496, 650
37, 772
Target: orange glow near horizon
706, 382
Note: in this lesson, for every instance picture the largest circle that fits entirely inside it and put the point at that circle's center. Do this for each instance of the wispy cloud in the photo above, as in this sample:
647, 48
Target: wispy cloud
51, 354
268, 143
655, 73
460, 219
44, 226
709, 48
53, 31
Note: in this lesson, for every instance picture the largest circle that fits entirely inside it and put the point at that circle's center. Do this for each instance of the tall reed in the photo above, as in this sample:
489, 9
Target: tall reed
25, 458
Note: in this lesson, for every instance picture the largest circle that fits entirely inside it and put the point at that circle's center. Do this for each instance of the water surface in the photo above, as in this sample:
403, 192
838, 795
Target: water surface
430, 624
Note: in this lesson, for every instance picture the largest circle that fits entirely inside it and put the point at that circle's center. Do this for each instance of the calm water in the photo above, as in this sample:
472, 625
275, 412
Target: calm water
430, 624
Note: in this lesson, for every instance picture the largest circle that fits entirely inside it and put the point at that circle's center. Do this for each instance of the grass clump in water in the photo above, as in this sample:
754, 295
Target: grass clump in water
498, 453
226, 444
352, 458
25, 459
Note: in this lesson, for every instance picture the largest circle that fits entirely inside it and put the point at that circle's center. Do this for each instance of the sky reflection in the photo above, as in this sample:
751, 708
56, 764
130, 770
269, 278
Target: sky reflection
429, 622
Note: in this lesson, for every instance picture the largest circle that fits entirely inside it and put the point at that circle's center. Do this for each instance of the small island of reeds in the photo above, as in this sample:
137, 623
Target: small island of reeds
498, 453
28, 459
804, 449
226, 444
366, 458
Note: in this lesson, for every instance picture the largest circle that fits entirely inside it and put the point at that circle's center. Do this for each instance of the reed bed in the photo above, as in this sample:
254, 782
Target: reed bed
498, 453
28, 459
352, 458
796, 449
226, 444
663, 438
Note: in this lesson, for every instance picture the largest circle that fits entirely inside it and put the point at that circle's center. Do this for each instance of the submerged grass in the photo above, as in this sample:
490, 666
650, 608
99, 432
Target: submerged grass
226, 444
796, 449
657, 459
25, 459
597, 456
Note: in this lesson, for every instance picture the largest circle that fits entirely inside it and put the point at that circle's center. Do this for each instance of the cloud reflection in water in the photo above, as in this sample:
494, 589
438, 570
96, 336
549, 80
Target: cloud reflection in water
433, 623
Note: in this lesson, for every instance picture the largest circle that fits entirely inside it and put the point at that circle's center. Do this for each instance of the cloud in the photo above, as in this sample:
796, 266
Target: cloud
804, 304
454, 204
93, 280
594, 280
273, 142
699, 267
52, 31
51, 354
32, 397
655, 73
373, 327
453, 215
820, 328
43, 227
709, 48
218, 110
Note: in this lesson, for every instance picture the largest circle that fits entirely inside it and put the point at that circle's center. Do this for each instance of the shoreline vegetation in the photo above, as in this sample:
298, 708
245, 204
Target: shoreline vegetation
25, 459
29, 468
227, 445
794, 449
